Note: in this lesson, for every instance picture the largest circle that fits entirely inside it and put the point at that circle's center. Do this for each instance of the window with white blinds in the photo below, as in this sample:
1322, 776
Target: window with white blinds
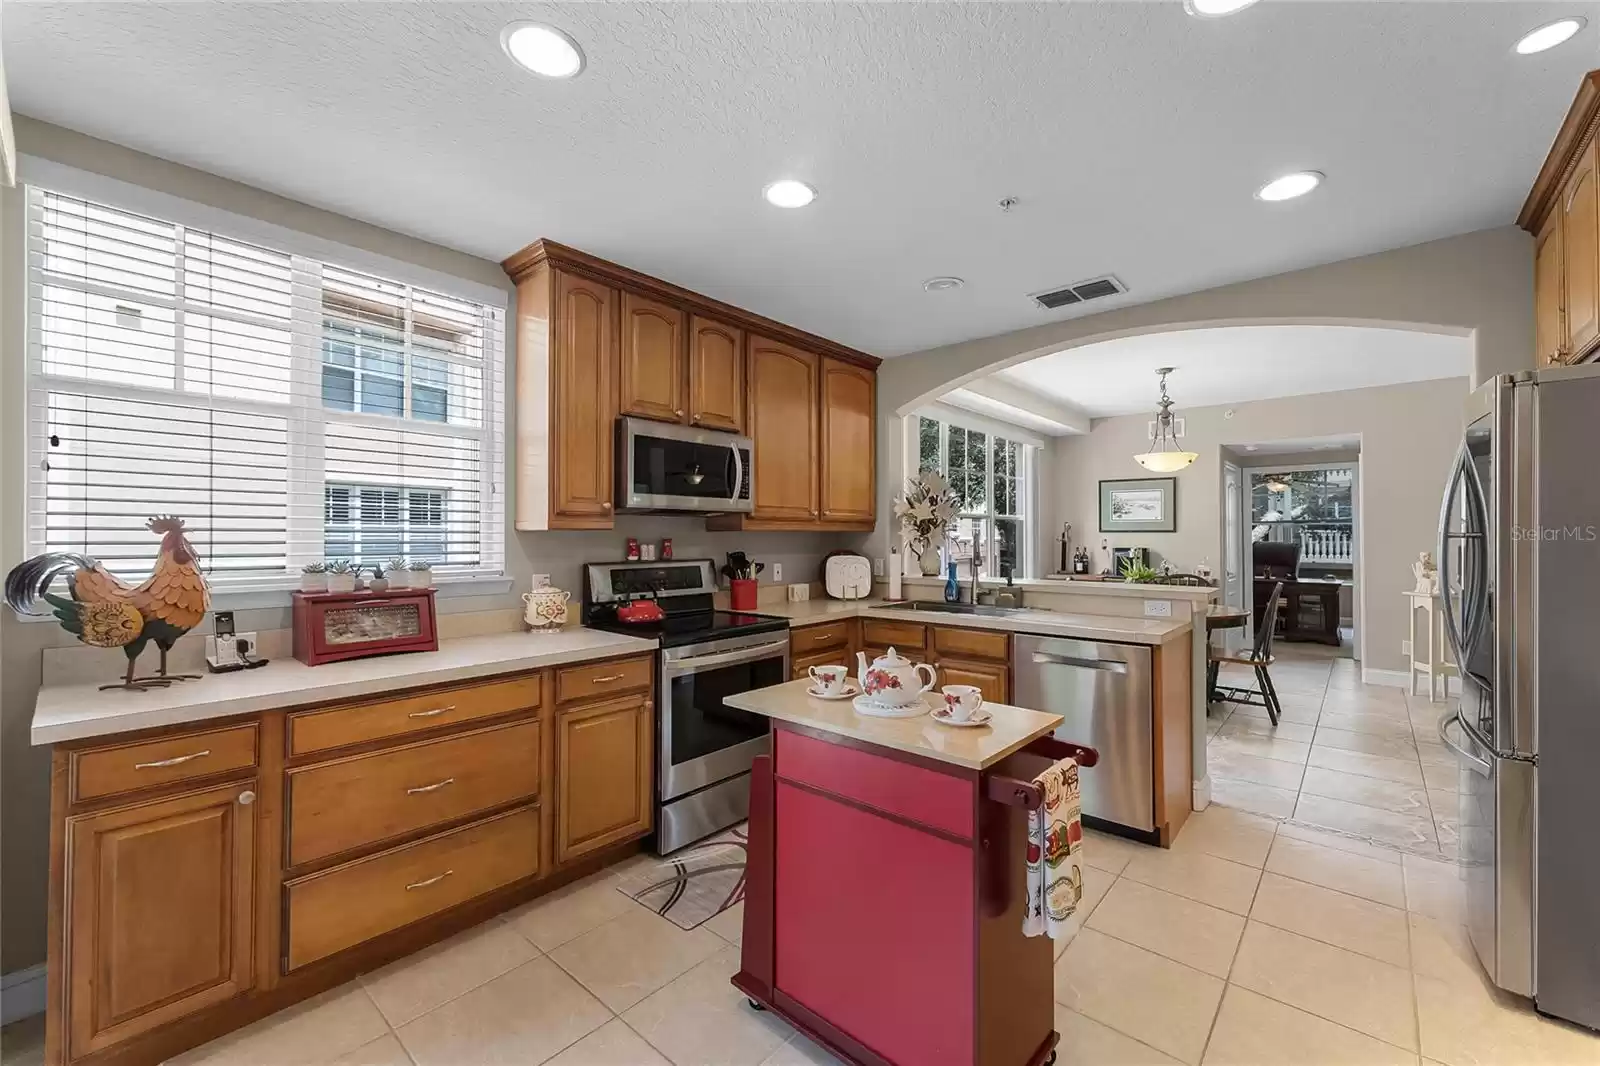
289, 410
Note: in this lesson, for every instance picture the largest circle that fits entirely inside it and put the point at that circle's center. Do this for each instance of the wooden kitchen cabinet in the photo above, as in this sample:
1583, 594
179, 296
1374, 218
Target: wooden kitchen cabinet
158, 912
849, 412
716, 375
651, 368
782, 417
1563, 214
603, 774
992, 679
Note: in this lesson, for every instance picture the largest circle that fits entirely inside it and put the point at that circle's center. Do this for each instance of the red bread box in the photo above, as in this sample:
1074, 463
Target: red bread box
332, 626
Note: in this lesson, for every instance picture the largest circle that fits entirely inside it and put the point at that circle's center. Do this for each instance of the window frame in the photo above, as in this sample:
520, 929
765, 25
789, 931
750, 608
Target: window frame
1028, 450
306, 484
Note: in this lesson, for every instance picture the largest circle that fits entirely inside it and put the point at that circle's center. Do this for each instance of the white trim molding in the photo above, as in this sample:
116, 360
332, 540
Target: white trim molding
22, 994
1202, 793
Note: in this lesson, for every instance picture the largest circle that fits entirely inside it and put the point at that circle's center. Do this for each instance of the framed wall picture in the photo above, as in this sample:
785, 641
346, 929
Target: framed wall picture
1139, 505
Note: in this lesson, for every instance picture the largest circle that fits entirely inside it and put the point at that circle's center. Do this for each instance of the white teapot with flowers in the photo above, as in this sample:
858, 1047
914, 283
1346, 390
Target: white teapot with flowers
891, 679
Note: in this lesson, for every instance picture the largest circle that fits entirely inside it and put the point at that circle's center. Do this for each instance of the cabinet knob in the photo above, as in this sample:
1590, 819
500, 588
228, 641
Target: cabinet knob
605, 506
247, 797
679, 412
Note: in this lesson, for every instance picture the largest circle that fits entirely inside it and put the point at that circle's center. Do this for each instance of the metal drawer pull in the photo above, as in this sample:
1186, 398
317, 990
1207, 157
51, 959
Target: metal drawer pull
432, 713
602, 680
176, 760
436, 786
429, 881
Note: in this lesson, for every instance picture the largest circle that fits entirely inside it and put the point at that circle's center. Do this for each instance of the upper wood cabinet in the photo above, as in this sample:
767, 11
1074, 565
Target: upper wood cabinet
651, 380
849, 410
159, 912
1563, 213
782, 414
716, 375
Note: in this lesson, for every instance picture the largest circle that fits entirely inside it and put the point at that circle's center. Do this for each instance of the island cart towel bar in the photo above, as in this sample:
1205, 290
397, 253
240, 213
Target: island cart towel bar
884, 900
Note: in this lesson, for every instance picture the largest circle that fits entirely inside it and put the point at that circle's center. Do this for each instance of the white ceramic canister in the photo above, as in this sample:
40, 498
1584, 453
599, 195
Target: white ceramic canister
545, 608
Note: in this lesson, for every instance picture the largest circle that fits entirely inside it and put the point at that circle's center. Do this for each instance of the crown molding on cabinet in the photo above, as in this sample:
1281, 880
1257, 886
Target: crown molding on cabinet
1576, 130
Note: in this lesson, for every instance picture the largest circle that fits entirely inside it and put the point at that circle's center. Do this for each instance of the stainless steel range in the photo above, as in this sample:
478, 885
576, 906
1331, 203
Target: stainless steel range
704, 748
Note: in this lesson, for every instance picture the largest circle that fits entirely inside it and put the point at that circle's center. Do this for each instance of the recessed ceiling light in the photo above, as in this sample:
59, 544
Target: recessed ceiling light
1250, 447
1215, 9
544, 50
942, 284
789, 193
1289, 186
1547, 37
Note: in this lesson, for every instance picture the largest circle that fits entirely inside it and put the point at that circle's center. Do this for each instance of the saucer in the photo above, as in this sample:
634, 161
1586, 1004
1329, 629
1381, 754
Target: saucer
873, 709
850, 690
942, 716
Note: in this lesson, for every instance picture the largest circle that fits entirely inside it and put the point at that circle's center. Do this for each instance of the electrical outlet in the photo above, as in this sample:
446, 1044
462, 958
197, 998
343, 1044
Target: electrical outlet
1158, 608
1405, 647
777, 572
877, 568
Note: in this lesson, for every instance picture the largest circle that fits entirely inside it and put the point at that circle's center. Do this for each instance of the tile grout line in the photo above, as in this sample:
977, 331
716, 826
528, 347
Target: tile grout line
1227, 981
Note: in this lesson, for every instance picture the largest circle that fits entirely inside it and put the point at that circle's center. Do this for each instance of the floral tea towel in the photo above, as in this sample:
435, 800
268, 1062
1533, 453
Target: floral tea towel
1055, 847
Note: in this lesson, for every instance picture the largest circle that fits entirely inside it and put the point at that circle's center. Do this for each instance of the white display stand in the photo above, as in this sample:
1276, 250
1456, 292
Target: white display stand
1435, 667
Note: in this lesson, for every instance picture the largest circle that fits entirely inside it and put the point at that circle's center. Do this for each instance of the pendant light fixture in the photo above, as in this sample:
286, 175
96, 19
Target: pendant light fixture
1166, 455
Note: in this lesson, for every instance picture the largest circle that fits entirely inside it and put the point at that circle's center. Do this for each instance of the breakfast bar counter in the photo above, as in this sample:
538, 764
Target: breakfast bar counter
901, 847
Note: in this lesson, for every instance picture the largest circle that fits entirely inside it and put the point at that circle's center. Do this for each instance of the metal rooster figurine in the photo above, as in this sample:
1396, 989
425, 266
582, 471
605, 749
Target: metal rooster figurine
106, 613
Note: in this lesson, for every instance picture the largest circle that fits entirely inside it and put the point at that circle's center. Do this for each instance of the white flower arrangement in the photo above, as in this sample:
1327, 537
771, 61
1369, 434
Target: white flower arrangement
927, 510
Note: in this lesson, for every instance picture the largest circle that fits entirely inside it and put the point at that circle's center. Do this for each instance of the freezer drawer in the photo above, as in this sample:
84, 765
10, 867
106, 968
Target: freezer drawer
1103, 691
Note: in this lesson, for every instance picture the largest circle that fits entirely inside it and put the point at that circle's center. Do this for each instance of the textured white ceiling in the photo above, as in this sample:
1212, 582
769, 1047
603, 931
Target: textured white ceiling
1132, 135
1235, 364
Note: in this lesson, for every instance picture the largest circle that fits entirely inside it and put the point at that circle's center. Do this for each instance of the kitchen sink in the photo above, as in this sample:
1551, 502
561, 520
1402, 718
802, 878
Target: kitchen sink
941, 607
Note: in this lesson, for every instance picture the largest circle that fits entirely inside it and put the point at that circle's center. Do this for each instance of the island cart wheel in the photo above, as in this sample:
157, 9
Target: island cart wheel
753, 1004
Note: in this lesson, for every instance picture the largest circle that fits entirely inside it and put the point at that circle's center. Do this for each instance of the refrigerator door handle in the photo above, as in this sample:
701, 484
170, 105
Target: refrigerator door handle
1452, 627
1481, 766
1477, 546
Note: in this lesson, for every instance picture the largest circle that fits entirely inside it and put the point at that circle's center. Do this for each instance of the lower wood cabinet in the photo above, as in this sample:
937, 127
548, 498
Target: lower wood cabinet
158, 912
603, 774
992, 679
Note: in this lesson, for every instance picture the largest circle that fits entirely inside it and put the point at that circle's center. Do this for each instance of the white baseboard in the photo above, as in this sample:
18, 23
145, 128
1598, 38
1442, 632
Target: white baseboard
1202, 793
1391, 678
21, 994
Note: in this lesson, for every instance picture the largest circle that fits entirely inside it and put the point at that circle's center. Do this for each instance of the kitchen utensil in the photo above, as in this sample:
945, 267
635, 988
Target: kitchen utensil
892, 679
742, 594
942, 716
640, 611
873, 708
849, 692
962, 701
545, 608
828, 679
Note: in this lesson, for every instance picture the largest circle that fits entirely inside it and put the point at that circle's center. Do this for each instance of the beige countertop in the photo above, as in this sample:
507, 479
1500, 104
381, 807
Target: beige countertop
1115, 628
76, 712
976, 748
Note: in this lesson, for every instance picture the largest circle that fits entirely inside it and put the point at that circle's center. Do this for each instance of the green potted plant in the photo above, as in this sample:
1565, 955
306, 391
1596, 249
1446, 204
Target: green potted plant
314, 577
421, 574
341, 575
399, 576
1138, 573
380, 578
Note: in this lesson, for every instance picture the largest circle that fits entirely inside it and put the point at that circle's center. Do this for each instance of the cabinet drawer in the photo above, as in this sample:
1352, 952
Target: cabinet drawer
972, 643
100, 772
800, 665
339, 727
601, 679
815, 638
349, 904
346, 804
884, 632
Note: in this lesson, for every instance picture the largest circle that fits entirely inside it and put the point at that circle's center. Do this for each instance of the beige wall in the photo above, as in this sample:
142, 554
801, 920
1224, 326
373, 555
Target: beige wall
24, 770
1408, 433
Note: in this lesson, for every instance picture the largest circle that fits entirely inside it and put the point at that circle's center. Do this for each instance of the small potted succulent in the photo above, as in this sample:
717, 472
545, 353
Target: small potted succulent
421, 574
314, 577
399, 576
380, 578
341, 575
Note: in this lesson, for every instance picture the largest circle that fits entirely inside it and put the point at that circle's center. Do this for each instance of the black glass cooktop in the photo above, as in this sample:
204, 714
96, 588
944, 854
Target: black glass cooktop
676, 630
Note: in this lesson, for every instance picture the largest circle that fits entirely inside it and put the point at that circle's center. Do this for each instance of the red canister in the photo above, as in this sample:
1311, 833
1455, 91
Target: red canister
633, 549
666, 547
742, 593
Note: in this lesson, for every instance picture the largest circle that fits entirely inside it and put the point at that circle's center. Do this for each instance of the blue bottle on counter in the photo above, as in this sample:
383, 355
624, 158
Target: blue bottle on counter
952, 587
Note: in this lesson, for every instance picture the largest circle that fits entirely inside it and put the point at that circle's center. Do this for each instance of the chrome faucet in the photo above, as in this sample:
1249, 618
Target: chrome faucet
973, 598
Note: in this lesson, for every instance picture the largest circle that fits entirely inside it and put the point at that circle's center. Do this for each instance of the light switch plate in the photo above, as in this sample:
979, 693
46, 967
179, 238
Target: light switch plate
1158, 608
877, 568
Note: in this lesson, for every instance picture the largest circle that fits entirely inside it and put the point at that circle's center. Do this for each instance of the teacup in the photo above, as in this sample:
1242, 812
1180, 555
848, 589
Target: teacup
962, 701
828, 680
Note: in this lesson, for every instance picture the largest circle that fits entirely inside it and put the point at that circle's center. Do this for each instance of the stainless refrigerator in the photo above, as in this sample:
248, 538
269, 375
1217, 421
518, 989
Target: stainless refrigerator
1519, 562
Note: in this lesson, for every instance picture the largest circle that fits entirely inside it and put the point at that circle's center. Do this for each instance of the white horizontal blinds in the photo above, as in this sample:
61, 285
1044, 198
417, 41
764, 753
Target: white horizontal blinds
249, 391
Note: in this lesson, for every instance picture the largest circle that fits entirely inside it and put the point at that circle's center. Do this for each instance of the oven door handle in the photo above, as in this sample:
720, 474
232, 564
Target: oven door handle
694, 663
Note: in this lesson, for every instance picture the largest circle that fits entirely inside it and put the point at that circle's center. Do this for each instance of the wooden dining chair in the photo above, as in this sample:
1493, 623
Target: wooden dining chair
1259, 658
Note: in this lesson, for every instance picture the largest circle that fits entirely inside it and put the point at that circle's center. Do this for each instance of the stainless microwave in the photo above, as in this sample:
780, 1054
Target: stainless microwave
665, 467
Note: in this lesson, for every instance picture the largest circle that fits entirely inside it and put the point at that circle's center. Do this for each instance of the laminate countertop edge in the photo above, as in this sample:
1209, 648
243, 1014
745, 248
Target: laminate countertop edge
83, 712
1120, 629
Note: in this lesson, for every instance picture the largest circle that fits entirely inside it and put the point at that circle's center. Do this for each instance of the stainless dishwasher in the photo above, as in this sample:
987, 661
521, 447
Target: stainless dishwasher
1103, 692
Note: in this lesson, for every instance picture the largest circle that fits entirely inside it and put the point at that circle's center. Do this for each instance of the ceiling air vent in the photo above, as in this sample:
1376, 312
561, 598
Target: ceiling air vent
1075, 294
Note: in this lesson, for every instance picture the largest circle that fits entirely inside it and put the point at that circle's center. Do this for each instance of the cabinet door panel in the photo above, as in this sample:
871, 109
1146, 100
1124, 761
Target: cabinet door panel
160, 917
1549, 330
849, 454
1581, 247
651, 369
716, 375
782, 411
603, 775
991, 678
583, 403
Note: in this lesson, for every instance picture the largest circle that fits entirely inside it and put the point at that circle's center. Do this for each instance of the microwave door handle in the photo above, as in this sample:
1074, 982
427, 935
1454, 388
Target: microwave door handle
738, 472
